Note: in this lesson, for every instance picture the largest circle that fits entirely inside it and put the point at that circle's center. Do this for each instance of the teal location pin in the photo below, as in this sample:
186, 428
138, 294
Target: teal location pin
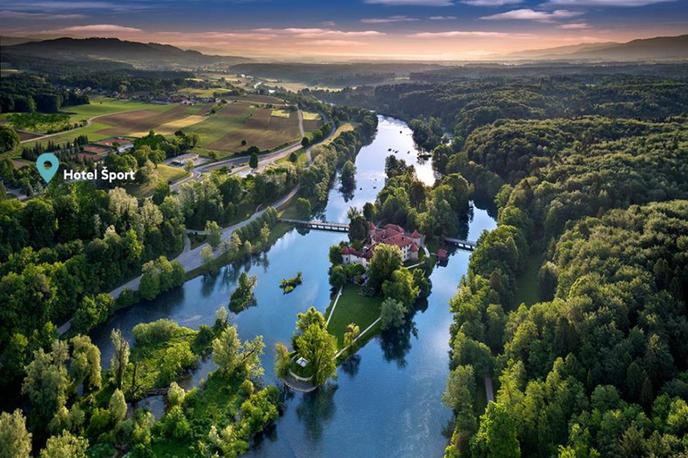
47, 165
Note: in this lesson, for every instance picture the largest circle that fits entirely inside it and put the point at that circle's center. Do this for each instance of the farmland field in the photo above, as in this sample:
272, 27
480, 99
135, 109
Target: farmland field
116, 117
241, 124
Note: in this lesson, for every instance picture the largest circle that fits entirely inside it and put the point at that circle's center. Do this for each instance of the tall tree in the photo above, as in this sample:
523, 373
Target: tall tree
15, 440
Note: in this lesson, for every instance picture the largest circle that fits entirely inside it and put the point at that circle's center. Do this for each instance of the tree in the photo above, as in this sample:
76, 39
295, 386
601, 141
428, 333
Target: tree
348, 176
401, 287
207, 254
15, 440
385, 260
118, 406
458, 396
496, 437
47, 382
369, 211
282, 359
175, 395
338, 277
85, 363
319, 347
253, 160
120, 356
9, 139
243, 296
392, 314
350, 333
214, 234
65, 445
303, 207
309, 317
149, 285
358, 228
231, 355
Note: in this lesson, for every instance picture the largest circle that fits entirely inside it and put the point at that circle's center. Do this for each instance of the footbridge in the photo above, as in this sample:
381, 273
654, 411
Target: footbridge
462, 244
319, 225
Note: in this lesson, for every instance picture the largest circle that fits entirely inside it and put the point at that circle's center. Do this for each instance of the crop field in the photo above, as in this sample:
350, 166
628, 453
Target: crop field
262, 130
241, 124
311, 121
280, 113
115, 117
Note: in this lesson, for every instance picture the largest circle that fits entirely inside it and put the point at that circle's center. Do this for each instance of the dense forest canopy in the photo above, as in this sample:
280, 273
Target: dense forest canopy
575, 307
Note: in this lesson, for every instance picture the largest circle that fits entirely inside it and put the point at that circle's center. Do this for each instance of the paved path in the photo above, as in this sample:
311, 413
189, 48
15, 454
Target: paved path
336, 300
489, 391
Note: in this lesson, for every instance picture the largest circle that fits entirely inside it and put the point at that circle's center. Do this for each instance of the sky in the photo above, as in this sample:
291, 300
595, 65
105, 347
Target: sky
355, 29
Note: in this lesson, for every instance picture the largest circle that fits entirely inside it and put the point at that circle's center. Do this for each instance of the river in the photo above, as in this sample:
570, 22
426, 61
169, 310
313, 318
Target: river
385, 400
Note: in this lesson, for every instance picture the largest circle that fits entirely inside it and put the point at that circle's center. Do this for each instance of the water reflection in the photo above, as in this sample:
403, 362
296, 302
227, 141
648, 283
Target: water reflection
386, 400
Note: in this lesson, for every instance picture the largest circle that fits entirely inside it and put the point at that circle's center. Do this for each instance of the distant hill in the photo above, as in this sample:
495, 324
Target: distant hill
658, 48
115, 49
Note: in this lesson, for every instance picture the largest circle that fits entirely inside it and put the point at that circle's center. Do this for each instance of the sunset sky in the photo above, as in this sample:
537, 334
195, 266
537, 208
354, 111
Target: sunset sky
366, 29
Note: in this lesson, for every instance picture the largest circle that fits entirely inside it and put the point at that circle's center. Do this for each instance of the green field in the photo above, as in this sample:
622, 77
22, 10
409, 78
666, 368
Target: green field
353, 307
165, 173
113, 122
38, 122
240, 124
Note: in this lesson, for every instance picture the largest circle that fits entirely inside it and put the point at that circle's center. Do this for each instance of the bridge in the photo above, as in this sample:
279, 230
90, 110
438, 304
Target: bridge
319, 225
463, 244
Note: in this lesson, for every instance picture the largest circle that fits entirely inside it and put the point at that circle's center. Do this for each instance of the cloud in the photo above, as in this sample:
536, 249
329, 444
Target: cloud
527, 14
469, 34
98, 28
622, 3
441, 18
574, 26
388, 20
491, 2
315, 33
411, 2
47, 6
38, 16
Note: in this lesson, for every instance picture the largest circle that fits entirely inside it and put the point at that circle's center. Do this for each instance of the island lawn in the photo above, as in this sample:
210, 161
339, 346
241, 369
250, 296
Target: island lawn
353, 307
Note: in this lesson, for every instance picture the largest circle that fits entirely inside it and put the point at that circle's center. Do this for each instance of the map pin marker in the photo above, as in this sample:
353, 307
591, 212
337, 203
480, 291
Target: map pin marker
47, 165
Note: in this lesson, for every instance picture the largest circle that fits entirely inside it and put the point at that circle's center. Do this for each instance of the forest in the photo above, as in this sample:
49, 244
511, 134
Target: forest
575, 306
64, 250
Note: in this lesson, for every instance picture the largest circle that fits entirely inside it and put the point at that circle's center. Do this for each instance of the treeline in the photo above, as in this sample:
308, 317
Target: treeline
598, 368
316, 178
61, 250
28, 93
435, 211
463, 106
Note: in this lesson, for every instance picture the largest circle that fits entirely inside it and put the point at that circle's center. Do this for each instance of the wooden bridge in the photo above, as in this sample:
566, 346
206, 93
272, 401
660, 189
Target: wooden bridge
319, 225
462, 244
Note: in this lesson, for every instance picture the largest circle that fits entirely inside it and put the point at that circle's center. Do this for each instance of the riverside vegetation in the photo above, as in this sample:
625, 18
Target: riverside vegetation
575, 305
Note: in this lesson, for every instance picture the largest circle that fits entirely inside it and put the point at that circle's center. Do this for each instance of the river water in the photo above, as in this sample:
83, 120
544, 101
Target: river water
386, 400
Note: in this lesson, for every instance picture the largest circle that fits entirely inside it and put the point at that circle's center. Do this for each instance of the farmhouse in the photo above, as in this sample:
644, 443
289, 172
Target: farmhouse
389, 234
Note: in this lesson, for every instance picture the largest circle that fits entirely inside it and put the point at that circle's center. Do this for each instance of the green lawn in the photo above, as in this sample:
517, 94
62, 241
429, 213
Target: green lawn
165, 173
353, 307
103, 106
98, 107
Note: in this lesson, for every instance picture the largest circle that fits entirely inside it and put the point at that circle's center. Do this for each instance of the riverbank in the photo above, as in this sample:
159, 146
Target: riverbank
388, 393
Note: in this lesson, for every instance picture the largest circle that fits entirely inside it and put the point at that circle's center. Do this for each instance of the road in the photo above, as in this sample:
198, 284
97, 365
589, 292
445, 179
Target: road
88, 123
